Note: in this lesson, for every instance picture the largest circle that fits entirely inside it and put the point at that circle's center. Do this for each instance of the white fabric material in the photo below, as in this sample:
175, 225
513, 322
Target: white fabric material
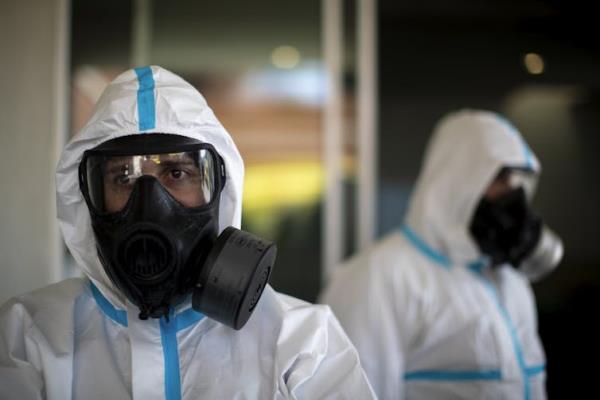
72, 341
427, 321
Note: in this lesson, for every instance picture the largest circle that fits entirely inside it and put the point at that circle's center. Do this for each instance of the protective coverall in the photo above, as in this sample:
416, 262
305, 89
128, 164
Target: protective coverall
429, 317
81, 339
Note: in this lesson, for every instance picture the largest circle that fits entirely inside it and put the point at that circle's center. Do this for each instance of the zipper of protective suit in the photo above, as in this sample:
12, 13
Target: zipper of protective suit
476, 268
169, 327
168, 338
526, 372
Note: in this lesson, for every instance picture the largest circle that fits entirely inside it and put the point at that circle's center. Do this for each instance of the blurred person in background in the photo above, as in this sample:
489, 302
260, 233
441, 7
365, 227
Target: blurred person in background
444, 308
149, 203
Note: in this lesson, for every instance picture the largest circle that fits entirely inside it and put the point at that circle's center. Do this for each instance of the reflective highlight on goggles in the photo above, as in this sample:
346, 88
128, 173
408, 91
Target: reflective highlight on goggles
188, 176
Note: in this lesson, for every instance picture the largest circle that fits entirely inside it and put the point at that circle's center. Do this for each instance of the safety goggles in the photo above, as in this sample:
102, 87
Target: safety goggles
190, 171
517, 177
511, 178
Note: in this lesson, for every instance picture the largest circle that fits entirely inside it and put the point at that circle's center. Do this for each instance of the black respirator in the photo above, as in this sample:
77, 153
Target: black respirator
154, 205
509, 232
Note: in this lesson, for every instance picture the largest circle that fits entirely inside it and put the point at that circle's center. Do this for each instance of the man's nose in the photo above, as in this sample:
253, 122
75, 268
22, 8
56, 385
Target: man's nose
149, 196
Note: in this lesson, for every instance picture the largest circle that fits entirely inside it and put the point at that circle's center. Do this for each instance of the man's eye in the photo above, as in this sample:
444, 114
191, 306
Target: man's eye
122, 179
177, 174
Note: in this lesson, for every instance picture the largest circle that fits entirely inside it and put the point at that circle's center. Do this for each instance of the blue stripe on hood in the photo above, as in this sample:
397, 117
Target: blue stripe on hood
145, 99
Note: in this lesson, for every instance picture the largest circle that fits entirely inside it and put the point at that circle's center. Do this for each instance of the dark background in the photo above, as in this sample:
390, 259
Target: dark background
437, 56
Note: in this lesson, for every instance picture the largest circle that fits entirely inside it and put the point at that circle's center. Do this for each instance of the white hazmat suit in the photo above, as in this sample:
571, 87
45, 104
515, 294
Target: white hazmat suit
81, 339
430, 319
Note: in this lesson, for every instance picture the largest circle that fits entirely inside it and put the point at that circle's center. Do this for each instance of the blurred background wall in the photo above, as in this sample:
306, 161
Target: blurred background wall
33, 108
265, 67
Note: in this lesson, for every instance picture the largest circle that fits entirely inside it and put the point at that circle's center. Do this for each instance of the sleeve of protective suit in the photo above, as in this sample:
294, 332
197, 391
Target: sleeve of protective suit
19, 379
319, 363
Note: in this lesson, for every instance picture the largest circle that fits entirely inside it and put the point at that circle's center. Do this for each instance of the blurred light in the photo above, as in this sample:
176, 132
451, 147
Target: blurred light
285, 57
284, 184
304, 85
534, 63
271, 190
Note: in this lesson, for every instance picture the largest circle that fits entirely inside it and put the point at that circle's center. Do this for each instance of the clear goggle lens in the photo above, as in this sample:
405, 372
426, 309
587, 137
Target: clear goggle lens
188, 176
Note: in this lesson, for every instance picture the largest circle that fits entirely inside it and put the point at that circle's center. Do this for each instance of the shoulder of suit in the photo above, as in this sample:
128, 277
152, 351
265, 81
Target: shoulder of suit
49, 303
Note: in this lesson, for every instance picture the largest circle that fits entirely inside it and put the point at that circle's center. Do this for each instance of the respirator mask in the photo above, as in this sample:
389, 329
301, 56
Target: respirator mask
508, 231
154, 205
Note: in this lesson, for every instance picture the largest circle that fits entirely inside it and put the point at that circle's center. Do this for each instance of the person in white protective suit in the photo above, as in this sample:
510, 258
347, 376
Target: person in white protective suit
444, 308
149, 202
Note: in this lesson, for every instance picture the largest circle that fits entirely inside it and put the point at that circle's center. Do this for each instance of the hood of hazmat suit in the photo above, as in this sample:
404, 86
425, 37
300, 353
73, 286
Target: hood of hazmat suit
82, 338
430, 317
